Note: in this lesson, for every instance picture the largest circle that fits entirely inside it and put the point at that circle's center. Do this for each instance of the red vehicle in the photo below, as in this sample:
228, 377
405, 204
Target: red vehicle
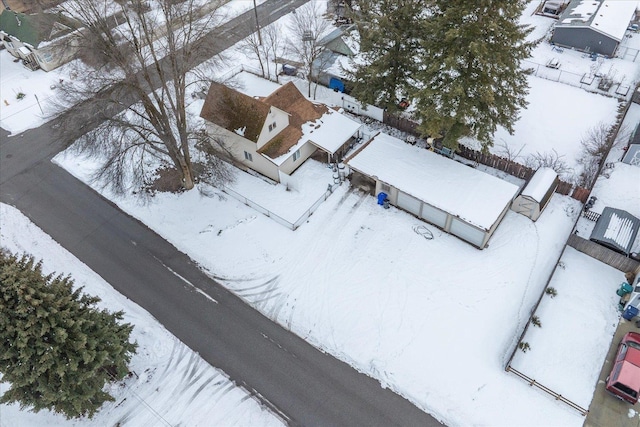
624, 379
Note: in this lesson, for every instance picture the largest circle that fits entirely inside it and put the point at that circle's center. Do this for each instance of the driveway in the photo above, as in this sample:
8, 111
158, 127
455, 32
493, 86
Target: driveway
606, 410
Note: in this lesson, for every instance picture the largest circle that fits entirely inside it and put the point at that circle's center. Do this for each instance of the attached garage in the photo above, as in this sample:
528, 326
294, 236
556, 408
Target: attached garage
463, 201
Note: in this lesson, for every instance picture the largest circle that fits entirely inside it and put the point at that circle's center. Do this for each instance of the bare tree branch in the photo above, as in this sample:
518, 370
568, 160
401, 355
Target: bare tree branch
137, 57
308, 27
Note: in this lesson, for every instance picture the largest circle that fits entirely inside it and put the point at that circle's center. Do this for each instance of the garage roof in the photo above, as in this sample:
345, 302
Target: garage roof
474, 196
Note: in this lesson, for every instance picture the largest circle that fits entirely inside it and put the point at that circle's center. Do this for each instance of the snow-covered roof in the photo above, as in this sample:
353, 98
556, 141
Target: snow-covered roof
540, 183
616, 229
613, 17
330, 131
610, 17
474, 196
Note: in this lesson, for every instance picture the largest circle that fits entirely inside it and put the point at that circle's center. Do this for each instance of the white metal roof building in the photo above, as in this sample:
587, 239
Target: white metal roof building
457, 198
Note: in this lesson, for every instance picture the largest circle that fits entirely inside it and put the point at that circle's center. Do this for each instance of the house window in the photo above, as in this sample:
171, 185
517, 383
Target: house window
385, 187
248, 156
296, 155
272, 126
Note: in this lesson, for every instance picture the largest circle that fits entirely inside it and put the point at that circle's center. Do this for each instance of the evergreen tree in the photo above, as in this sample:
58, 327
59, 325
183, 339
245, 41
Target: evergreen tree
57, 350
471, 80
389, 45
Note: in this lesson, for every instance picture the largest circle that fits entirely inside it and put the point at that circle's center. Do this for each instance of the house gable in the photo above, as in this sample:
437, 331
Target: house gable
300, 110
275, 122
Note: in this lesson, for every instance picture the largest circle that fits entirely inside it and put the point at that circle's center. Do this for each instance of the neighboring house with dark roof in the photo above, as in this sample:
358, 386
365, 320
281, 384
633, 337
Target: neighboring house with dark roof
339, 41
276, 134
594, 25
37, 38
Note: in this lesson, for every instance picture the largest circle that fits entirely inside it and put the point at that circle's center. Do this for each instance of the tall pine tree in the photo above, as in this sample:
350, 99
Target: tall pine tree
389, 46
470, 79
57, 350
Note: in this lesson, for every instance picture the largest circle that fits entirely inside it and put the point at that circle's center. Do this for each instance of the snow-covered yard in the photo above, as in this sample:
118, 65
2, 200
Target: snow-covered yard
563, 355
171, 384
357, 281
557, 118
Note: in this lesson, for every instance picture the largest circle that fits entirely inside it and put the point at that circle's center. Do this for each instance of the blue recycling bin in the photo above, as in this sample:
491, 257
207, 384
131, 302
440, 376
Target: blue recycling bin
381, 198
630, 312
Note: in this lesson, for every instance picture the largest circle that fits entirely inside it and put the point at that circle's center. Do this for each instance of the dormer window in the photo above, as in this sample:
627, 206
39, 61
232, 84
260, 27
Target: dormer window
272, 126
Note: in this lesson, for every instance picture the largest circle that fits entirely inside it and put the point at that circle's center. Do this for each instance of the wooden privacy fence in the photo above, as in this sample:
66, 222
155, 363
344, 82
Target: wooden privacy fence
518, 170
605, 255
401, 123
494, 161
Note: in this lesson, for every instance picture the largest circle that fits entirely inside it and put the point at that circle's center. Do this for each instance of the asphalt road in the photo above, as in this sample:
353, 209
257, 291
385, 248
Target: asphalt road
304, 385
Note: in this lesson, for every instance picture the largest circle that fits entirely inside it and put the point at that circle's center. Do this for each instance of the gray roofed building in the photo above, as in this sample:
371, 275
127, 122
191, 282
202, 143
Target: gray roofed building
594, 25
616, 229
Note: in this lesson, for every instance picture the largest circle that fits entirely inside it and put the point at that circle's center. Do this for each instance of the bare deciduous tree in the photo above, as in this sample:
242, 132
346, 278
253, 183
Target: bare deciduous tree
274, 45
596, 144
266, 48
308, 27
137, 56
551, 160
508, 152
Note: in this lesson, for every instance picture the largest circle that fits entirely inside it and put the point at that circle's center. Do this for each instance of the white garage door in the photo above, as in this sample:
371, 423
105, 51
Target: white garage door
467, 232
408, 203
434, 215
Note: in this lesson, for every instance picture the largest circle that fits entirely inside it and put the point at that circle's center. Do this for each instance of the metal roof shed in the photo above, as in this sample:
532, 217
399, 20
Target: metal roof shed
616, 229
461, 200
536, 194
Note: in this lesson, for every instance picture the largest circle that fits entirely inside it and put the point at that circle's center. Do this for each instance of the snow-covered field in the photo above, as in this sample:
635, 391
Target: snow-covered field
172, 385
434, 320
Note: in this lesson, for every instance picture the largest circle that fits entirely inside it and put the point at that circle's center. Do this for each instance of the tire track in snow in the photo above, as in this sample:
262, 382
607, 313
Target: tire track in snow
321, 248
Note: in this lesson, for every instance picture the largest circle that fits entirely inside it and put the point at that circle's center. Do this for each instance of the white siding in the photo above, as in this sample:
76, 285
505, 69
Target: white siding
434, 215
467, 232
409, 203
237, 145
281, 120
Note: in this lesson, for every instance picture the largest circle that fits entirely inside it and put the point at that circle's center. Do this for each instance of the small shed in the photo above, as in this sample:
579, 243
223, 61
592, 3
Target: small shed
617, 230
460, 200
536, 194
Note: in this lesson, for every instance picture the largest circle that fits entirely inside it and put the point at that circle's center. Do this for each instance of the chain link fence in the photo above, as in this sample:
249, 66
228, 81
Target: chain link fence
595, 83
